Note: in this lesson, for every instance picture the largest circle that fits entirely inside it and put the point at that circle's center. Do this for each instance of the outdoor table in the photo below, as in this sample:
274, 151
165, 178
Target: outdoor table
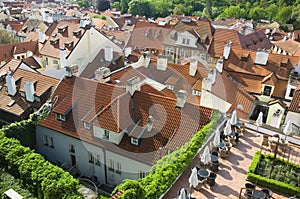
238, 124
258, 195
214, 158
203, 173
232, 134
222, 145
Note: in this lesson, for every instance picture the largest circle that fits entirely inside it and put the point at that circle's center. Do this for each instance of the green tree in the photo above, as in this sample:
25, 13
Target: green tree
257, 13
271, 11
7, 38
284, 13
234, 11
141, 7
83, 3
162, 8
179, 9
209, 8
124, 5
103, 5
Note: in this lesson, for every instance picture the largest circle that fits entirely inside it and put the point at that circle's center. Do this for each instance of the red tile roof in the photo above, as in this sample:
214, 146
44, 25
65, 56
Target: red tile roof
295, 103
112, 108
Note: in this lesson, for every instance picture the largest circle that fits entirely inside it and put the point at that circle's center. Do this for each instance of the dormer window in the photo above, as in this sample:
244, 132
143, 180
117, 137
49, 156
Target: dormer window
106, 134
245, 57
61, 117
69, 44
54, 42
183, 40
267, 90
77, 32
62, 29
87, 125
135, 141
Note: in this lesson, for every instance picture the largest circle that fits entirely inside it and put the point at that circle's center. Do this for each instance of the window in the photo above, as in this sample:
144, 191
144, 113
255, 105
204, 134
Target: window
111, 165
71, 148
55, 61
51, 142
22, 93
170, 51
188, 42
90, 157
196, 93
183, 40
170, 87
46, 140
60, 117
134, 141
267, 90
118, 169
142, 174
97, 160
37, 99
87, 125
291, 92
106, 134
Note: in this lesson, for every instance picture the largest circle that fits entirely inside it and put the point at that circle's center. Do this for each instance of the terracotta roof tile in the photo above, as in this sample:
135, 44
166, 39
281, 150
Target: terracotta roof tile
290, 46
295, 103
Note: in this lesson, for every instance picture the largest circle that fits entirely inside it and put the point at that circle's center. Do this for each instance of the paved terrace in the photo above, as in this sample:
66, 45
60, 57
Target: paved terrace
231, 176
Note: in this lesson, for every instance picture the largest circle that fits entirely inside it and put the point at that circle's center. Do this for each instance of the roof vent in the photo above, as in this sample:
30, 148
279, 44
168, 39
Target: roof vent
219, 65
11, 103
181, 99
133, 84
108, 56
206, 84
102, 74
212, 76
227, 48
150, 124
162, 62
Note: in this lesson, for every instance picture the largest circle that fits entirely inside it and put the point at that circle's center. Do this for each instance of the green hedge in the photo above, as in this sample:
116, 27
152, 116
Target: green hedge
167, 169
270, 183
40, 177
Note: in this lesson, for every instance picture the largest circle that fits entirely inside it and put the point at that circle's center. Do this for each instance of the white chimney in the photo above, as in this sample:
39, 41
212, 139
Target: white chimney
219, 65
261, 57
108, 53
11, 85
162, 62
102, 74
133, 84
127, 51
29, 91
193, 67
181, 99
71, 70
212, 76
227, 48
150, 124
206, 84
146, 59
42, 37
63, 57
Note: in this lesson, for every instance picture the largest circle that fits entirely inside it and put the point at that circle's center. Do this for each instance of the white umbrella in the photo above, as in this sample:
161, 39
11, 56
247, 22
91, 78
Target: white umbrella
288, 128
205, 158
227, 129
233, 119
193, 179
217, 138
259, 122
182, 194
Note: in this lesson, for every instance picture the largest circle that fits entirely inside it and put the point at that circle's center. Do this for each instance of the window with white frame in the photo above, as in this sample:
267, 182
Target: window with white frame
183, 40
87, 125
267, 90
187, 41
170, 51
98, 160
134, 141
60, 117
196, 93
46, 140
110, 165
142, 174
118, 168
90, 157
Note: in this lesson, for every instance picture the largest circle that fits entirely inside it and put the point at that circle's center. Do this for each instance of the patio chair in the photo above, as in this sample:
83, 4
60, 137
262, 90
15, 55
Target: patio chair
249, 190
232, 141
211, 179
228, 145
202, 165
268, 192
213, 148
201, 182
224, 153
214, 166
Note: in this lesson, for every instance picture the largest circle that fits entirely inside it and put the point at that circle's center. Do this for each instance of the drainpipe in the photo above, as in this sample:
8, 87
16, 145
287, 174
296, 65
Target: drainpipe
105, 171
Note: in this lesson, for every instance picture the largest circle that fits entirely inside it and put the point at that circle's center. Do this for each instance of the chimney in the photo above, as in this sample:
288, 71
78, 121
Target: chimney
212, 76
71, 70
162, 62
146, 56
127, 51
29, 91
261, 57
83, 22
219, 65
108, 53
42, 37
193, 67
181, 99
62, 57
11, 85
227, 48
150, 124
102, 74
206, 84
133, 84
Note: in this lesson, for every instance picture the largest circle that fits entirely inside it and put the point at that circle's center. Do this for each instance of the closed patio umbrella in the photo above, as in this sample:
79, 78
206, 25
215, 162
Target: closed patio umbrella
227, 129
233, 119
205, 158
287, 130
217, 138
193, 179
182, 194
259, 122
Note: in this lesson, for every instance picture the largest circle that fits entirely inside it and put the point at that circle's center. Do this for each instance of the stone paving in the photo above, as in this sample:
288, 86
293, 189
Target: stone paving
231, 176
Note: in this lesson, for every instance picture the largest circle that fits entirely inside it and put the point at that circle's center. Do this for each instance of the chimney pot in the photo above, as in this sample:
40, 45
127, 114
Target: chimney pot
133, 84
11, 85
162, 62
193, 67
220, 65
108, 53
102, 74
181, 99
29, 91
227, 48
